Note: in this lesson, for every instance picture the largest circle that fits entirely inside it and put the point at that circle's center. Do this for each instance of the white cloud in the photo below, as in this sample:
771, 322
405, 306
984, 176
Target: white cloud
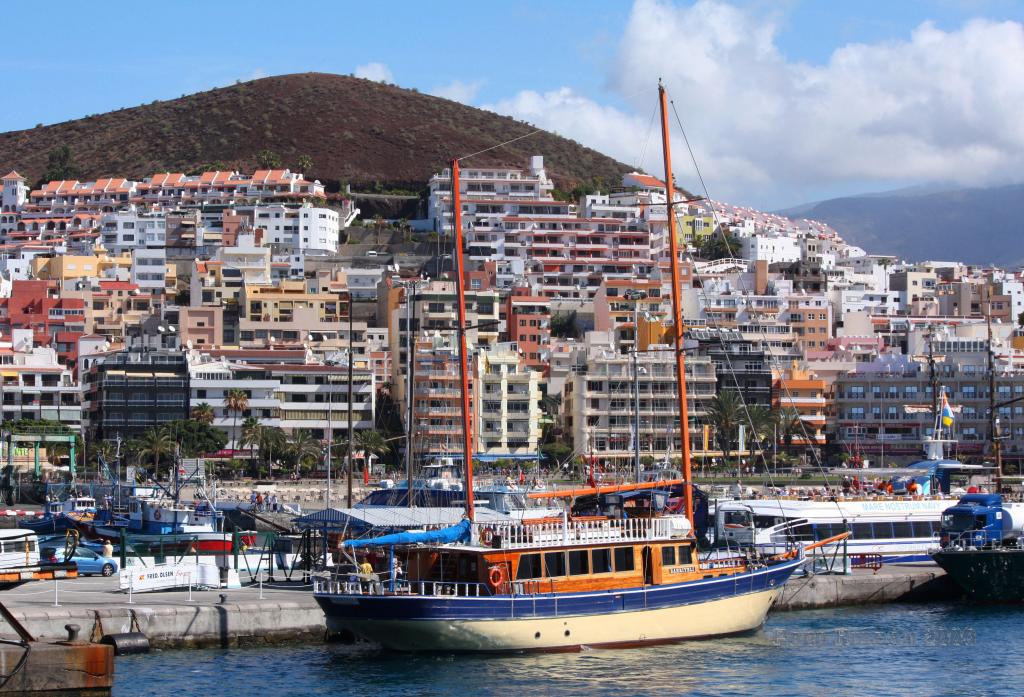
378, 72
936, 106
459, 91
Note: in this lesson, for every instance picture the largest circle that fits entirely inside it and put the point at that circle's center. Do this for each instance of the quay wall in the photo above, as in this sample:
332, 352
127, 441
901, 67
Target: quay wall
187, 626
863, 587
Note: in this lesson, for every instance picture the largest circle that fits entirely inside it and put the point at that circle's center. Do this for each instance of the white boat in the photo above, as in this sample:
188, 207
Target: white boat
886, 528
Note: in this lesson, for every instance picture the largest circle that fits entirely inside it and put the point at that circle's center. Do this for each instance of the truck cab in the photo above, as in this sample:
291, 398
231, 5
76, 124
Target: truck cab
980, 520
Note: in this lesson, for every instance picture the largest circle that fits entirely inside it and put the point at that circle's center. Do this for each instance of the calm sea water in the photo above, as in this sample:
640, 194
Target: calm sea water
941, 649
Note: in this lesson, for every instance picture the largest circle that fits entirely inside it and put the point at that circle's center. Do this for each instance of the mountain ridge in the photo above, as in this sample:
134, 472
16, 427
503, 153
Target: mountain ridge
355, 131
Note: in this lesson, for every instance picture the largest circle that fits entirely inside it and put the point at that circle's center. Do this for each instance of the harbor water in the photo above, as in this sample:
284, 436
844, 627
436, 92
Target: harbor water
900, 650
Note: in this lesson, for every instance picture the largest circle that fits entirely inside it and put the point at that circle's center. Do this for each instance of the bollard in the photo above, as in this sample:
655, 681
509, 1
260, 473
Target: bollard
56, 596
72, 630
223, 598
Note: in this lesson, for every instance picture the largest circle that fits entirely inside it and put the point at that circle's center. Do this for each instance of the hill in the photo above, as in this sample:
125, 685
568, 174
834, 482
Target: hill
355, 131
976, 226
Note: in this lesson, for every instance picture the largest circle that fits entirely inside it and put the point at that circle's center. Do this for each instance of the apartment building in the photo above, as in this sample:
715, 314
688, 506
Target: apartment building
528, 325
283, 390
437, 397
598, 401
35, 385
130, 391
507, 405
802, 393
286, 313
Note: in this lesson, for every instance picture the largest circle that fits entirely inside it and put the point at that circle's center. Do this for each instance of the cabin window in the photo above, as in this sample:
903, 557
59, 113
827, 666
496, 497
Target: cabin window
862, 531
823, 531
803, 532
883, 530
902, 529
554, 564
601, 561
684, 556
668, 556
923, 528
529, 567
579, 562
624, 559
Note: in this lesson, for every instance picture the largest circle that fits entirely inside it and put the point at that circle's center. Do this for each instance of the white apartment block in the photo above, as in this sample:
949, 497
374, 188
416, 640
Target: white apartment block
599, 401
507, 404
293, 233
771, 249
149, 269
126, 230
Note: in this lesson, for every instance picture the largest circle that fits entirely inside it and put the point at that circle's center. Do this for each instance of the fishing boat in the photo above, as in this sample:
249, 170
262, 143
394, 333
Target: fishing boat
60, 516
553, 585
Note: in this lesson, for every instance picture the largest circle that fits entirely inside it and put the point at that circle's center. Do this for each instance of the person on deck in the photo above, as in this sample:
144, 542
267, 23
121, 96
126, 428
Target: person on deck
108, 549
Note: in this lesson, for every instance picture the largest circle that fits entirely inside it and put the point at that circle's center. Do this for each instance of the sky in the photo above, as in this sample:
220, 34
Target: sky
782, 102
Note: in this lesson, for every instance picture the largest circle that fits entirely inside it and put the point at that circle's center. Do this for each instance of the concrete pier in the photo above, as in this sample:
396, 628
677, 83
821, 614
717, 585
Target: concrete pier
865, 587
280, 612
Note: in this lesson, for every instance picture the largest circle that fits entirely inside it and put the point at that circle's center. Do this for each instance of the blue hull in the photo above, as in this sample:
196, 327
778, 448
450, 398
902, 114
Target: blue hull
550, 605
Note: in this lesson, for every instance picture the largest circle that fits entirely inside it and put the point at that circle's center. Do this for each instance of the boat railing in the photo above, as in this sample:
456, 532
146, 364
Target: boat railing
381, 586
515, 535
976, 539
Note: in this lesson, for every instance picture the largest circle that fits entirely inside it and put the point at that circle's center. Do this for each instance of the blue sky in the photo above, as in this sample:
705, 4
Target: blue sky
576, 67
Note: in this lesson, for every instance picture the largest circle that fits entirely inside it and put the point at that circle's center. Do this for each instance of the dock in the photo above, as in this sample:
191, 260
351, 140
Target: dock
283, 612
896, 583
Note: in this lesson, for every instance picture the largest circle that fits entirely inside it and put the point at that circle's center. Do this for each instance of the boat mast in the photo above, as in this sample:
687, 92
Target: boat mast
677, 309
467, 425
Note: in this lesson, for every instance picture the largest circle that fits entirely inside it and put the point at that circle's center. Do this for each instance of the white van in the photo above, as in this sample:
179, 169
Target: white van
18, 548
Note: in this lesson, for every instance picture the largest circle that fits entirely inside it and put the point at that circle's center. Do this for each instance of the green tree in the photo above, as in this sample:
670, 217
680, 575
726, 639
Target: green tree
236, 401
203, 413
302, 448
196, 437
788, 425
724, 412
304, 164
268, 159
155, 443
717, 245
60, 164
252, 437
371, 442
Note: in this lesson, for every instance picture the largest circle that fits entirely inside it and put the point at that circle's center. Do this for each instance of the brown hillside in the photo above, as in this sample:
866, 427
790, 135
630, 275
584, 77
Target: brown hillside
354, 130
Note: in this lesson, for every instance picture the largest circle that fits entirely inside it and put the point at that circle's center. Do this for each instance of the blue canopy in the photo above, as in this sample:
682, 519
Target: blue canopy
456, 533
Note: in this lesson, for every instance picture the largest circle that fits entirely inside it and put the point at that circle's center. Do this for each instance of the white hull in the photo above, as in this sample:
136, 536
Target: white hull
732, 615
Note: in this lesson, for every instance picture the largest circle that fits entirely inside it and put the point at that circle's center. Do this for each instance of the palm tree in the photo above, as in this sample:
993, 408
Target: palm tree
371, 442
725, 413
762, 424
273, 439
252, 436
303, 447
236, 401
155, 443
203, 413
788, 424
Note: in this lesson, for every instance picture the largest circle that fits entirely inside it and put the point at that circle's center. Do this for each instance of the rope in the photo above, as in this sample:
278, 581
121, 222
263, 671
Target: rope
500, 145
714, 320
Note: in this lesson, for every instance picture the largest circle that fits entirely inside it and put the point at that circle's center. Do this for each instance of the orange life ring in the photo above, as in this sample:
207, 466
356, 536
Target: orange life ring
497, 576
486, 536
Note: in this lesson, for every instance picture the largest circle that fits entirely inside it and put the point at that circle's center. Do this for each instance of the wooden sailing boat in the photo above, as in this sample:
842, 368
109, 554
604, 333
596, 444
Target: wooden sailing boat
555, 585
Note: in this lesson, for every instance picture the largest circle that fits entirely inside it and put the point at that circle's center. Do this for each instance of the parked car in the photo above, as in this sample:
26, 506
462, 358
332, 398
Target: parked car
88, 561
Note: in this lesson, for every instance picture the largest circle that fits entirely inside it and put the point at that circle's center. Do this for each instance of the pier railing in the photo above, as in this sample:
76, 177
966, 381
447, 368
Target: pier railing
578, 532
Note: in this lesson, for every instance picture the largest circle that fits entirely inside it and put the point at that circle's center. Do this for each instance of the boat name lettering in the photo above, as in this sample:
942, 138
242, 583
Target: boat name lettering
897, 505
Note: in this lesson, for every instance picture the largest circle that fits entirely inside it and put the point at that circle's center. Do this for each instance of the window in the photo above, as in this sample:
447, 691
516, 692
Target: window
902, 529
668, 556
684, 556
862, 531
554, 563
529, 567
579, 562
624, 559
601, 561
923, 528
883, 531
